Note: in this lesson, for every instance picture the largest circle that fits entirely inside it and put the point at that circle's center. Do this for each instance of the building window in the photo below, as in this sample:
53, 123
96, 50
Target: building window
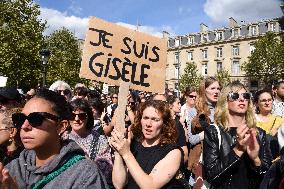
204, 54
219, 36
253, 30
235, 68
204, 69
219, 52
176, 57
190, 55
272, 27
235, 32
219, 66
251, 48
205, 37
190, 40
177, 42
176, 72
236, 51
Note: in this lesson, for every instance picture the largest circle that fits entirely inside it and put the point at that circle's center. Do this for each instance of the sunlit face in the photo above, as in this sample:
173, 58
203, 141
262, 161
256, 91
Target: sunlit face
43, 136
240, 105
191, 98
79, 122
114, 98
152, 123
176, 106
265, 103
4, 131
212, 92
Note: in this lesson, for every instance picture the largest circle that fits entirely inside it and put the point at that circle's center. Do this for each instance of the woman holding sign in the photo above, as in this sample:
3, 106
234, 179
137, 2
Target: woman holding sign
148, 156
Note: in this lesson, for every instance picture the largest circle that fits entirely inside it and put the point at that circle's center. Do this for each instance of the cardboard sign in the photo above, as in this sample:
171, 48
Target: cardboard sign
113, 53
3, 81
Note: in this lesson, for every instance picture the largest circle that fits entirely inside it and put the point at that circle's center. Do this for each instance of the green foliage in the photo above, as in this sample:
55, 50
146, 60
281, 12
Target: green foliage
65, 60
266, 63
190, 78
21, 40
223, 77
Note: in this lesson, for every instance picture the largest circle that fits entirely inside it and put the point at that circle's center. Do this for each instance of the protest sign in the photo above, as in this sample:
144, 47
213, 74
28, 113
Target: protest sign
113, 54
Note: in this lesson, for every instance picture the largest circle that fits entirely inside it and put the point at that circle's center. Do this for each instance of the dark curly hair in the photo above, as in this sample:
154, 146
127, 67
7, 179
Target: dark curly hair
82, 104
168, 132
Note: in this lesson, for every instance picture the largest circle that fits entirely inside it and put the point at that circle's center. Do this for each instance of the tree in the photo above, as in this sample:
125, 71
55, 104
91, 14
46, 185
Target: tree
223, 77
266, 63
65, 60
190, 78
21, 40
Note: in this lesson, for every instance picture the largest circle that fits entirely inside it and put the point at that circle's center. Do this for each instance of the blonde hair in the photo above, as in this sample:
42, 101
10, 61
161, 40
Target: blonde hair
222, 113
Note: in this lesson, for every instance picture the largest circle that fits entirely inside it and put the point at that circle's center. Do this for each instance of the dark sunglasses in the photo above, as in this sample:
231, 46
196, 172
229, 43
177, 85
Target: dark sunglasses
235, 96
114, 97
65, 91
192, 96
81, 116
35, 118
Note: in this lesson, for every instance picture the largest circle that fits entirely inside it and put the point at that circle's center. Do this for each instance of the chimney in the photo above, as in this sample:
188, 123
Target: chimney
232, 22
203, 28
282, 7
166, 35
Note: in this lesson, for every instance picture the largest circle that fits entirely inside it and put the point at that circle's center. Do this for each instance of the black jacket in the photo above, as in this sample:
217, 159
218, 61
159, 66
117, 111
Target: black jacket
224, 169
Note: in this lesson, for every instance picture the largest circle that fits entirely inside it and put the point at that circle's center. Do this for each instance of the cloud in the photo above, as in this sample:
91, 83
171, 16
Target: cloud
56, 20
247, 10
75, 8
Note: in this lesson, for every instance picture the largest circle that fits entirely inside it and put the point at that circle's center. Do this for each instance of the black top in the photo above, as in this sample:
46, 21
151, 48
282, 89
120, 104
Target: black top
181, 139
147, 158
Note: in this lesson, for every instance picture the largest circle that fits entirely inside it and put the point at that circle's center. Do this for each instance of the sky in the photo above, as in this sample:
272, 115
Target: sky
178, 17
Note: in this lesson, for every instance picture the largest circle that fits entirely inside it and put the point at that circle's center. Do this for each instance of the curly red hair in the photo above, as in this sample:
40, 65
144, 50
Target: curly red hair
168, 132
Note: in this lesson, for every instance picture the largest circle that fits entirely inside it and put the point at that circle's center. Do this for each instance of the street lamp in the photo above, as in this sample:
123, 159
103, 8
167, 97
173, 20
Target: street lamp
44, 53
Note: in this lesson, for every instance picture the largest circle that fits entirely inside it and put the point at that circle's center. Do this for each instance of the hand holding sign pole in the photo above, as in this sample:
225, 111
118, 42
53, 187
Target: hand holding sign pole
117, 55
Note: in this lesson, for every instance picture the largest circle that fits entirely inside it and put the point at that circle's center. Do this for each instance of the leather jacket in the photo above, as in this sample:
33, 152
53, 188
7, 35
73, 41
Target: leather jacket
224, 169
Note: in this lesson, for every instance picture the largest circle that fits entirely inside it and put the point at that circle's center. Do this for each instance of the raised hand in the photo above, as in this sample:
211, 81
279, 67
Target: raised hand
253, 147
243, 135
120, 142
6, 181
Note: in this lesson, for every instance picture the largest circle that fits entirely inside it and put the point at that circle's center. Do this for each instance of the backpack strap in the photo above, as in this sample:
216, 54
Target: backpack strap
56, 173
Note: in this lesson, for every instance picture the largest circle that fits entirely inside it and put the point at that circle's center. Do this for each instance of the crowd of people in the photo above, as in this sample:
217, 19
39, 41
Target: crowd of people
213, 136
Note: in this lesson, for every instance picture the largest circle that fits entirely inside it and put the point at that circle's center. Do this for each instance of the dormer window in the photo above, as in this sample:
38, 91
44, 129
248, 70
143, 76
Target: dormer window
253, 30
272, 27
235, 32
190, 40
177, 42
219, 35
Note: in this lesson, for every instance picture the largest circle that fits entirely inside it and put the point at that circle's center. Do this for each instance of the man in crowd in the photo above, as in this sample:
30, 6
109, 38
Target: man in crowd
9, 98
278, 103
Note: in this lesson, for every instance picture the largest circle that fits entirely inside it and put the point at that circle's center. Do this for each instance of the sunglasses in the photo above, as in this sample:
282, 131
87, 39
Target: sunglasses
35, 119
235, 96
114, 97
81, 116
192, 96
65, 91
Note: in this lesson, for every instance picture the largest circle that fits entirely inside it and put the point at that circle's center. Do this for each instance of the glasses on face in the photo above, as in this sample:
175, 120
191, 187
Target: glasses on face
35, 119
235, 96
81, 116
115, 97
265, 100
192, 96
65, 91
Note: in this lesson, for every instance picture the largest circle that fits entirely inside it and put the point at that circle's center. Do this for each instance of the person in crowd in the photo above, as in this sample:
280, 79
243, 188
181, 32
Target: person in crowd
160, 96
81, 92
175, 106
114, 103
31, 93
266, 120
46, 161
10, 142
149, 158
278, 103
235, 151
188, 111
274, 177
10, 98
62, 88
208, 94
101, 120
94, 144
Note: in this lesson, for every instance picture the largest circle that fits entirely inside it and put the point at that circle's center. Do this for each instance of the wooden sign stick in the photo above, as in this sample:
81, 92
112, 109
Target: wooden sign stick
122, 102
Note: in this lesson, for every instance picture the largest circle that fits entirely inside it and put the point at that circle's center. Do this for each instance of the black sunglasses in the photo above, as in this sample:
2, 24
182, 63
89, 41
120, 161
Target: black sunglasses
235, 96
65, 91
192, 96
35, 118
81, 116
